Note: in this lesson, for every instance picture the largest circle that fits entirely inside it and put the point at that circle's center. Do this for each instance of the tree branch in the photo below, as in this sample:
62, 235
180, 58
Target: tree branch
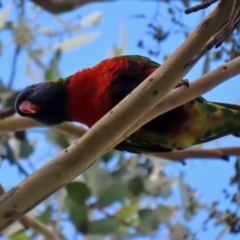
81, 155
29, 222
60, 6
181, 156
18, 123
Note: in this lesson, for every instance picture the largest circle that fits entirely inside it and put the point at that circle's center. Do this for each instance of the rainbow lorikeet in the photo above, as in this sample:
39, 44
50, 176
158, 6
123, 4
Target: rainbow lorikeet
89, 94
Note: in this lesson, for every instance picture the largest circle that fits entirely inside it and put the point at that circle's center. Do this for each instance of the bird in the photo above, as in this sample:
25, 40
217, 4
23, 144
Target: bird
89, 94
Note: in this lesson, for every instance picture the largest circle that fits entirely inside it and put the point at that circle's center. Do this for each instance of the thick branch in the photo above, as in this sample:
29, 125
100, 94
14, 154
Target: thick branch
60, 6
181, 156
81, 155
29, 222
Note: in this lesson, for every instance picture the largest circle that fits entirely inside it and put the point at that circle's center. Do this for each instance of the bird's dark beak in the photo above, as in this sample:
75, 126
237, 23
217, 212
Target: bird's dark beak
28, 108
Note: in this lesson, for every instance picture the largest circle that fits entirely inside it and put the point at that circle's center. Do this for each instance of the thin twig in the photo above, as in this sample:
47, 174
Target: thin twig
223, 33
203, 5
14, 63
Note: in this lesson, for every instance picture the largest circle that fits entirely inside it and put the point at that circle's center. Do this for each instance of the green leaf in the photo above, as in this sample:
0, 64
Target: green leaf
4, 15
165, 189
97, 178
179, 232
58, 138
104, 226
46, 216
136, 185
78, 214
52, 72
92, 19
78, 191
20, 236
108, 156
127, 211
25, 149
114, 192
74, 42
148, 221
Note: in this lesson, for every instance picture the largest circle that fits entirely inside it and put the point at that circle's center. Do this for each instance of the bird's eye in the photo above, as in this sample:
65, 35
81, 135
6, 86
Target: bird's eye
31, 89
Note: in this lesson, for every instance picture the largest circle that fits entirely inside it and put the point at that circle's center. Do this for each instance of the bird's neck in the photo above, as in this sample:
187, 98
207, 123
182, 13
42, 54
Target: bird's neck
88, 98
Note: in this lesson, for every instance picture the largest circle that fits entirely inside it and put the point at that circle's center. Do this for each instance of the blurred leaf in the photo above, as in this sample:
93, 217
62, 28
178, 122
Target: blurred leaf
25, 149
206, 64
46, 215
52, 72
69, 27
225, 230
4, 15
236, 177
185, 3
10, 101
108, 156
118, 50
20, 236
184, 192
103, 226
179, 232
92, 19
127, 211
58, 138
112, 193
36, 56
97, 178
167, 186
78, 191
148, 221
12, 154
74, 42
136, 185
78, 214
21, 135
22, 33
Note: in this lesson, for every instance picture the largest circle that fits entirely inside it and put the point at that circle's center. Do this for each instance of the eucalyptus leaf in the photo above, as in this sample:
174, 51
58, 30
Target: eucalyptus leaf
78, 214
179, 232
112, 193
92, 19
104, 226
127, 211
4, 15
46, 215
75, 42
58, 138
20, 236
78, 191
136, 185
